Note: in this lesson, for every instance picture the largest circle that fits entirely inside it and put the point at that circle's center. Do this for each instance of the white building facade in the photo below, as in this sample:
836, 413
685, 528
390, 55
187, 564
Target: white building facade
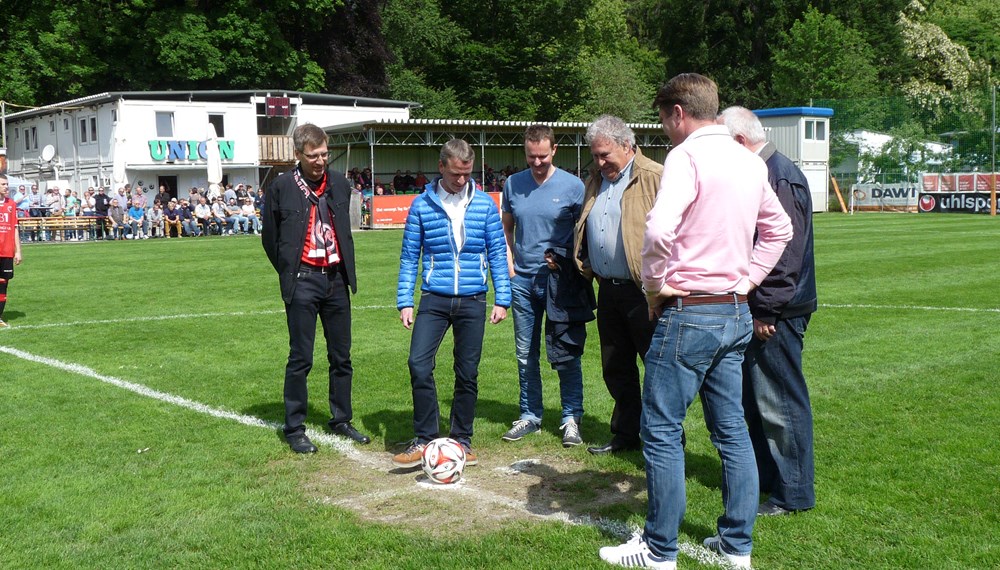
150, 139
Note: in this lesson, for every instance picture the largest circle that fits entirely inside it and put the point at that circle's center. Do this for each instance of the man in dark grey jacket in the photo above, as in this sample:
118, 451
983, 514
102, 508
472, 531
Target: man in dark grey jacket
775, 396
306, 234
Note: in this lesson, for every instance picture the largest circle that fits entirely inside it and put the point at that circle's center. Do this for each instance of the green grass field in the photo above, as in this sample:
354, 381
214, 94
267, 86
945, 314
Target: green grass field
902, 361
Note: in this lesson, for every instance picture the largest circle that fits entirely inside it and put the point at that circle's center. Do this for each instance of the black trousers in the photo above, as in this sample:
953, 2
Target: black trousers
625, 332
325, 296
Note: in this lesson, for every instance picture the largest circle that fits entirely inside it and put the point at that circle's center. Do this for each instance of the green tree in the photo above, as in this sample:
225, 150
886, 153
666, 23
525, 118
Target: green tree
820, 57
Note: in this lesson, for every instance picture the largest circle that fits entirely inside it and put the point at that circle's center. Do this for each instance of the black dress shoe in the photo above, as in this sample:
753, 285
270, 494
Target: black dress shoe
347, 430
614, 446
769, 509
300, 443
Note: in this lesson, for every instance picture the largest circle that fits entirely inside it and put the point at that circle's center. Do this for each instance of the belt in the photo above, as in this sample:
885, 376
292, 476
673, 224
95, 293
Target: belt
617, 282
324, 269
728, 298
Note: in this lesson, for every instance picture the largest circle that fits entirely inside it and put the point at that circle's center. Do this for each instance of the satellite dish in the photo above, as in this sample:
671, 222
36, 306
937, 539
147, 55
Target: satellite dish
48, 153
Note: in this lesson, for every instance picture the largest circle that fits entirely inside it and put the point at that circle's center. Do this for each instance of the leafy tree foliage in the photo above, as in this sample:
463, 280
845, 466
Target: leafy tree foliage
820, 57
53, 50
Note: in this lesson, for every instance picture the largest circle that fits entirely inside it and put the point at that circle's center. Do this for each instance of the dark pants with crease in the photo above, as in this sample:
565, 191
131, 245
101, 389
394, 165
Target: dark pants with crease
467, 316
325, 296
625, 331
779, 415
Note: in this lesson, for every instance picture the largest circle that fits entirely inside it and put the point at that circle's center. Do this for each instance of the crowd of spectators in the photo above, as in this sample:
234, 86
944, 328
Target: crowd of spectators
126, 213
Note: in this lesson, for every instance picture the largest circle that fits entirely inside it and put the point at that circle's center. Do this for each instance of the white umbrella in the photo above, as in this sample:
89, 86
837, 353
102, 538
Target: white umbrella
118, 161
214, 158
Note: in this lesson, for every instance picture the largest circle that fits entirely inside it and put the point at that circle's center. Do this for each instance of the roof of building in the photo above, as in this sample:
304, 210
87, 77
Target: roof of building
795, 111
472, 123
235, 95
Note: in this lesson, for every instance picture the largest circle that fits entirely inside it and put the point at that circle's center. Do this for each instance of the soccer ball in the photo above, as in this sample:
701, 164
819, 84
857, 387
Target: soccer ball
443, 460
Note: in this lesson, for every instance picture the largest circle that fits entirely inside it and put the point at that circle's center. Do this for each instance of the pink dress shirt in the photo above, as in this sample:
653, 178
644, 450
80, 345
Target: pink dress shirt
700, 232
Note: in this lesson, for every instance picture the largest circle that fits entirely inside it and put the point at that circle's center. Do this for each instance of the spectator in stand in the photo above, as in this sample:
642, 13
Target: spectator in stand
172, 218
87, 203
122, 196
155, 220
258, 200
203, 215
250, 213
187, 219
225, 223
102, 203
408, 181
53, 200
194, 198
36, 201
71, 209
229, 194
420, 181
241, 193
163, 195
397, 182
234, 211
117, 216
366, 177
137, 194
136, 220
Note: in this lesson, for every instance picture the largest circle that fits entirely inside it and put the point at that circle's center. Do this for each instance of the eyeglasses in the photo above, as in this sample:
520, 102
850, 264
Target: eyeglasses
316, 156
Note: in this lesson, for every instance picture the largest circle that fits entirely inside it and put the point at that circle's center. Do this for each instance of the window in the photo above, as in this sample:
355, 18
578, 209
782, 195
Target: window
52, 126
30, 138
219, 124
164, 124
65, 124
34, 138
88, 130
815, 130
114, 116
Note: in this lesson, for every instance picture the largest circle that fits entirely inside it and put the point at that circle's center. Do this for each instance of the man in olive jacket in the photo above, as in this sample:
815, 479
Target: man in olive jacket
306, 234
608, 245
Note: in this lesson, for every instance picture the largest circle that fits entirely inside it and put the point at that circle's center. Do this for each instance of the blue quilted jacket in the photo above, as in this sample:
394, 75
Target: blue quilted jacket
428, 238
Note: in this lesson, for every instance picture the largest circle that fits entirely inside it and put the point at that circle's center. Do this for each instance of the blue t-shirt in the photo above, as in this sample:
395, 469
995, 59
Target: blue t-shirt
544, 216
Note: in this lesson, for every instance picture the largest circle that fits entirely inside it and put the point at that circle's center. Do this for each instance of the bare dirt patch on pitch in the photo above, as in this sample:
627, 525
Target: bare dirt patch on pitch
505, 488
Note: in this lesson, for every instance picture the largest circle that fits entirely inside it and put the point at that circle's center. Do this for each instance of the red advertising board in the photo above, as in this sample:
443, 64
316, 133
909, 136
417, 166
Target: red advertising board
966, 182
392, 210
930, 182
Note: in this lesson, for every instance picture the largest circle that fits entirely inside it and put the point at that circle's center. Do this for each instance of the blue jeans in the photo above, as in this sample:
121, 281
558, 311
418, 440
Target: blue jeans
528, 303
468, 317
698, 350
779, 415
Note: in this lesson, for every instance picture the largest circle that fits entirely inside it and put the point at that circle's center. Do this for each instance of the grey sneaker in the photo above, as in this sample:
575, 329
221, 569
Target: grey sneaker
571, 433
714, 543
520, 429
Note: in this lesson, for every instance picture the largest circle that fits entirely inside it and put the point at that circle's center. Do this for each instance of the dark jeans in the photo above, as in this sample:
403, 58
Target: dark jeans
324, 295
468, 317
779, 415
625, 330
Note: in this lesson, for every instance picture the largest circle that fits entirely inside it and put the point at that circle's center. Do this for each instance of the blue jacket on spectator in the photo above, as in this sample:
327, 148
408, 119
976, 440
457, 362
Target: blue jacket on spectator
445, 270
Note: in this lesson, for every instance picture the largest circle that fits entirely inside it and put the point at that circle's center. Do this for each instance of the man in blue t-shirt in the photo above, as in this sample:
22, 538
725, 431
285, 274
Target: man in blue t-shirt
540, 207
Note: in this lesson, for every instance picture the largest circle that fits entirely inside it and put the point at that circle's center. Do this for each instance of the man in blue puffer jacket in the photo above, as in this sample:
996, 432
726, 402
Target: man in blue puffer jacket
455, 232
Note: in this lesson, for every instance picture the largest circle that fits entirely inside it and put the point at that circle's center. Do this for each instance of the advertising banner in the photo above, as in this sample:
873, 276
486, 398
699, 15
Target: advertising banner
391, 211
961, 182
901, 196
955, 202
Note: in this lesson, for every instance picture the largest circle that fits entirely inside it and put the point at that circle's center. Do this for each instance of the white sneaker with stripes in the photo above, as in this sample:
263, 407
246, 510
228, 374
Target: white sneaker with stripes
635, 554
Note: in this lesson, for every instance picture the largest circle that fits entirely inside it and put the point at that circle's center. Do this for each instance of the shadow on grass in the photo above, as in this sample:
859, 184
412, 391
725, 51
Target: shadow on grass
11, 316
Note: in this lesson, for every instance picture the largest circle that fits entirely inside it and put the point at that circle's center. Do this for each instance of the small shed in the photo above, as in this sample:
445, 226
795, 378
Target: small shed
803, 135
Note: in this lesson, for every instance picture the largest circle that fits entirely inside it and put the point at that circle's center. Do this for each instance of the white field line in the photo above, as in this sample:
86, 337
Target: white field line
174, 317
909, 308
612, 527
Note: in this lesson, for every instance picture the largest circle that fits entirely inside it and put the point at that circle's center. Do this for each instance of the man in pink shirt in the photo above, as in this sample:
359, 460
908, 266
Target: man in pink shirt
699, 261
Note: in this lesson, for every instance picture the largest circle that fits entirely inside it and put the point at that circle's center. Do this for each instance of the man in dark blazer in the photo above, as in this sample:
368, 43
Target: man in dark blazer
306, 234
